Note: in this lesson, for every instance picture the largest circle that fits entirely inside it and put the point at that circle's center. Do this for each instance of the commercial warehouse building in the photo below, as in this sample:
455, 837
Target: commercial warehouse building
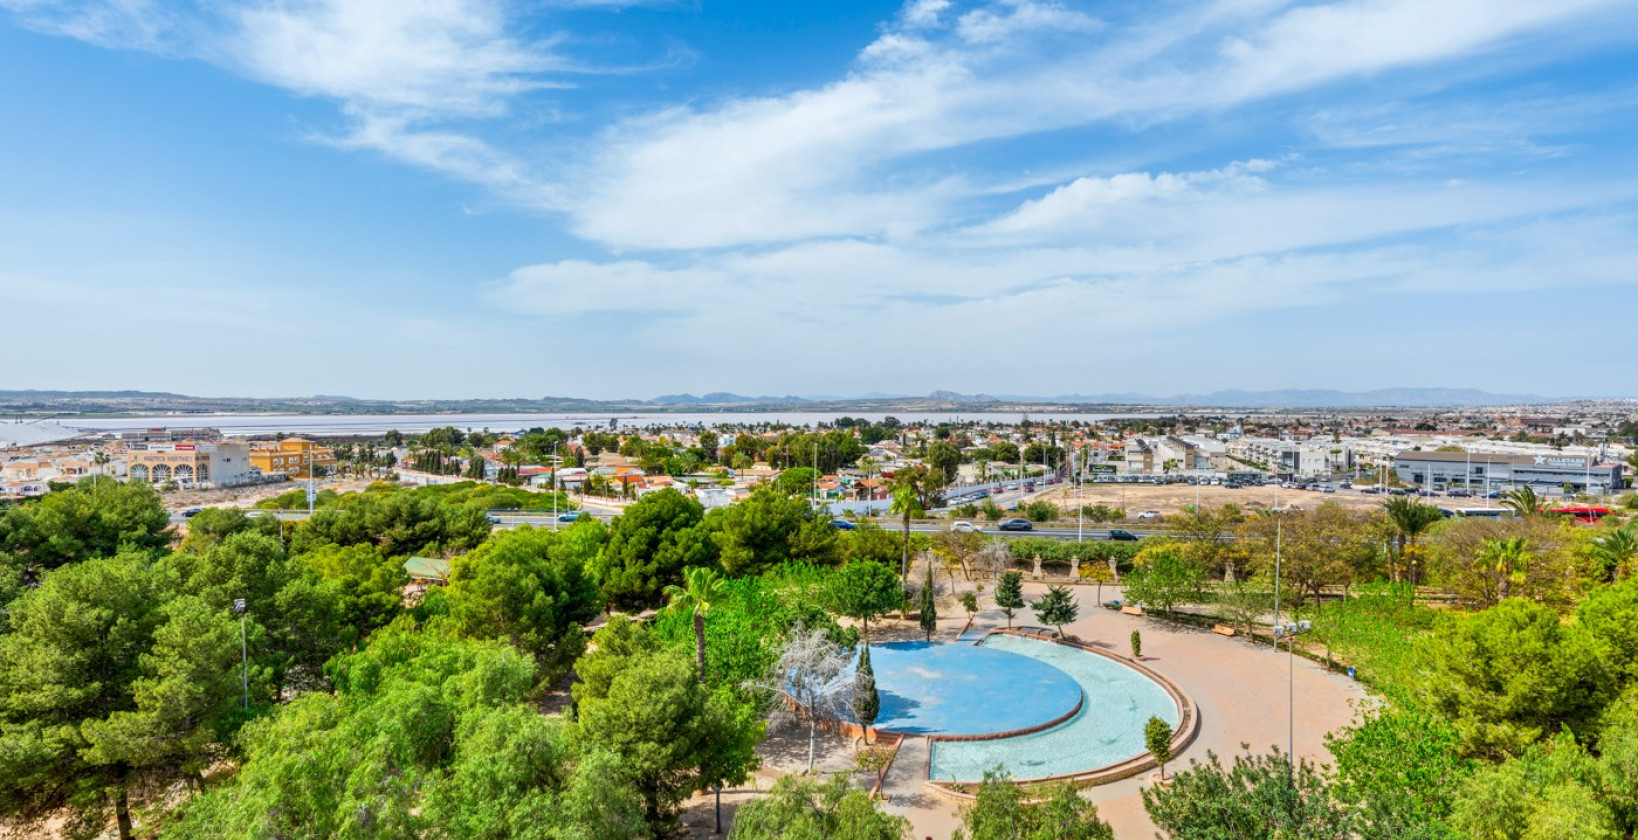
219, 463
1479, 470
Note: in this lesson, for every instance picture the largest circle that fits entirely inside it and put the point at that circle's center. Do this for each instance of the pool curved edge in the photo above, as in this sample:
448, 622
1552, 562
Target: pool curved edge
1188, 726
849, 729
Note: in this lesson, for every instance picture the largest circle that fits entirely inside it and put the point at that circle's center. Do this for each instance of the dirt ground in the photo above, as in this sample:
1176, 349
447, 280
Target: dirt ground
247, 496
1172, 498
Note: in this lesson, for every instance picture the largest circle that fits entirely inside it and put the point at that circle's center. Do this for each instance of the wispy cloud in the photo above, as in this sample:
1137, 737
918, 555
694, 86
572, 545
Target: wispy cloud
844, 159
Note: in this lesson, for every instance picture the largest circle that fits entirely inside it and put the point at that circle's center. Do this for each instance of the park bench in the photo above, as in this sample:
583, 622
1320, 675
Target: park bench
1132, 610
1223, 630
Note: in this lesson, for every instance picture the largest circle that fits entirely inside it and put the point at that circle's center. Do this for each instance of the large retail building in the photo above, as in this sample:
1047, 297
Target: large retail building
1478, 471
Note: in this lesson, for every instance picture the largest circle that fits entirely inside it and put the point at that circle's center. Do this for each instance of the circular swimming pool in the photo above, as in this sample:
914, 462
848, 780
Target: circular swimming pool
965, 690
1108, 728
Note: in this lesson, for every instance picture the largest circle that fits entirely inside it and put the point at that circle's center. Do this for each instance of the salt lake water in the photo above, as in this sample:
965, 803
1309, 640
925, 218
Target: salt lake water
377, 424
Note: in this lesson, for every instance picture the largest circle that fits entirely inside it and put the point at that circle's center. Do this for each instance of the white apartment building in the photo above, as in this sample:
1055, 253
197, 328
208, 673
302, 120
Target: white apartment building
1297, 459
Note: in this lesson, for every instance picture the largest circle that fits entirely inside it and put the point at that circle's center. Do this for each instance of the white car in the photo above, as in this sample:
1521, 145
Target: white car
963, 527
1149, 514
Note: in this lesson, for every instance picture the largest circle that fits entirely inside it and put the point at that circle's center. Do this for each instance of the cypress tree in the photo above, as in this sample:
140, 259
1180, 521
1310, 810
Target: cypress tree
929, 611
867, 704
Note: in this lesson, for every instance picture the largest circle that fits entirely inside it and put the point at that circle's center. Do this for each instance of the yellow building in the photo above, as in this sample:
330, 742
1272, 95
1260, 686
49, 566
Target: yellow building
292, 456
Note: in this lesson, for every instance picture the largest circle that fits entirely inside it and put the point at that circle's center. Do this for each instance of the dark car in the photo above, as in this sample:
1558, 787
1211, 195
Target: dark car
192, 512
843, 525
1122, 535
1016, 525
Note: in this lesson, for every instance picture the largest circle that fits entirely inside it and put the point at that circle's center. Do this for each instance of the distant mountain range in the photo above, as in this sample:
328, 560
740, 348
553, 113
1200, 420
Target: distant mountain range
83, 403
1287, 398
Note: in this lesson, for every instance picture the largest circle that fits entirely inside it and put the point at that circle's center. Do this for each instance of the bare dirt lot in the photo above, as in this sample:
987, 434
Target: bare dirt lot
1172, 498
247, 496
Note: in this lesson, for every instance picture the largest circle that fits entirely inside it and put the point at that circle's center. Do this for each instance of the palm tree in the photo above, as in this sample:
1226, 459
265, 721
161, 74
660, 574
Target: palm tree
1410, 519
701, 588
907, 502
101, 459
1617, 551
1522, 501
1504, 558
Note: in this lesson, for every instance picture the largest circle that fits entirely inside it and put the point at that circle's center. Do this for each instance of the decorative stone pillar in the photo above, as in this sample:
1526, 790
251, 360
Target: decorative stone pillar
1037, 567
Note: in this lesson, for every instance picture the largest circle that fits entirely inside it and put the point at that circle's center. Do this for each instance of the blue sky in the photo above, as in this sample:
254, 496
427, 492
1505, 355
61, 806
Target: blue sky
462, 198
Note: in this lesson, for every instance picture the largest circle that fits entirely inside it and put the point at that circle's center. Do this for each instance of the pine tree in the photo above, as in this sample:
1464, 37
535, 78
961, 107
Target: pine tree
1057, 608
1009, 594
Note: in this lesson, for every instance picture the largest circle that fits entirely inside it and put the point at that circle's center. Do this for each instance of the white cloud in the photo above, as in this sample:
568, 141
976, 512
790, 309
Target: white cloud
846, 159
578, 287
425, 57
924, 13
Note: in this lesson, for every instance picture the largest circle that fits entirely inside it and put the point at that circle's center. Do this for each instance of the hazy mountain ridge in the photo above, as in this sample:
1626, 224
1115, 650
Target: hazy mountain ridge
81, 403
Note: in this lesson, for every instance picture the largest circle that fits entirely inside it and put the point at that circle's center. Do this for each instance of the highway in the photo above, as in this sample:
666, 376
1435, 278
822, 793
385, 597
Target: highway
514, 518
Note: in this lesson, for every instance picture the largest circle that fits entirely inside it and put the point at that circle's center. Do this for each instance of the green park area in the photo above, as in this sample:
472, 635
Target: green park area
259, 678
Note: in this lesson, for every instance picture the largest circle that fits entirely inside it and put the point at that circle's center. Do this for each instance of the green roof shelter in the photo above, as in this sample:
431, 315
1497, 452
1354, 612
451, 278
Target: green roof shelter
427, 568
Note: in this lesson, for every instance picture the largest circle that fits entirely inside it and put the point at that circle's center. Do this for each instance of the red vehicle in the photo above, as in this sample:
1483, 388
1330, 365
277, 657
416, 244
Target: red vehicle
1583, 513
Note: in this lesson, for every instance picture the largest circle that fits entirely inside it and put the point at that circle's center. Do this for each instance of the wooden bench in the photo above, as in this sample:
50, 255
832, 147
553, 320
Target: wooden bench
1132, 610
1223, 630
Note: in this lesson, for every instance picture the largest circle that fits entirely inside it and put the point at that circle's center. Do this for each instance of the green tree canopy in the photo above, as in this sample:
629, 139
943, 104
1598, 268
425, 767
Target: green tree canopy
1165, 578
1009, 594
805, 809
770, 529
1000, 812
94, 518
864, 590
671, 733
426, 732
649, 545
105, 687
1259, 796
1057, 607
400, 522
1512, 674
513, 588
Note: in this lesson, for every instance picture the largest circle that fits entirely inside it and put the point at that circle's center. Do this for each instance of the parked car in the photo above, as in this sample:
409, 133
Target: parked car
843, 525
963, 527
1016, 525
1326, 488
1149, 514
1458, 493
1232, 485
1346, 485
1122, 535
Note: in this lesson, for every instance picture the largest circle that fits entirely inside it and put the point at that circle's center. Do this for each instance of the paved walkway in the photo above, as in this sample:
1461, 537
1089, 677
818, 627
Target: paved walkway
1241, 692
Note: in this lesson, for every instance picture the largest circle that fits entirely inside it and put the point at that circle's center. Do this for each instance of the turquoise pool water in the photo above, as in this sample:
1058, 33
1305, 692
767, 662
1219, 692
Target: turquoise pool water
955, 689
1108, 729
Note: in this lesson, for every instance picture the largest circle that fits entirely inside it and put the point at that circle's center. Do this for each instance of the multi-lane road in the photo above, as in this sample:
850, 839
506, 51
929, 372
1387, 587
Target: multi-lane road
514, 518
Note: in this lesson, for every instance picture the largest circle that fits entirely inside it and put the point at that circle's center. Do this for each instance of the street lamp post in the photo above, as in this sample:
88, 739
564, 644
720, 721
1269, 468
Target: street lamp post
244, 653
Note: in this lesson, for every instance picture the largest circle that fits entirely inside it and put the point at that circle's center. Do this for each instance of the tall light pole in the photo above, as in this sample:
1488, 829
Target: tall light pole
244, 653
555, 467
